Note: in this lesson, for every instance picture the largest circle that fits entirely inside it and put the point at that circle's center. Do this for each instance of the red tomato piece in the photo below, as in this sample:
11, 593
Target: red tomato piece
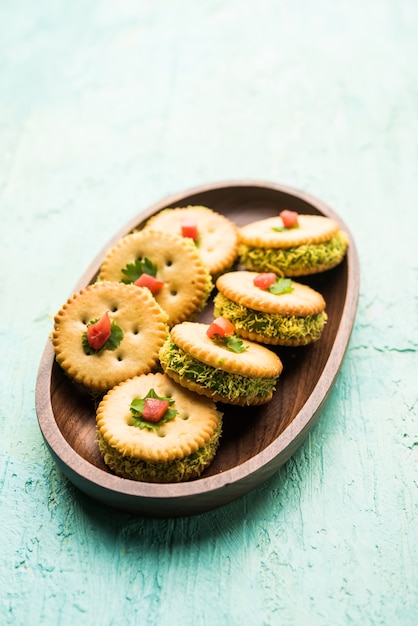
289, 218
99, 333
264, 281
189, 228
153, 284
221, 327
154, 409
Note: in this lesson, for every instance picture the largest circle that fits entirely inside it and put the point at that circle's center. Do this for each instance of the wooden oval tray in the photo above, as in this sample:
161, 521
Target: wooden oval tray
255, 441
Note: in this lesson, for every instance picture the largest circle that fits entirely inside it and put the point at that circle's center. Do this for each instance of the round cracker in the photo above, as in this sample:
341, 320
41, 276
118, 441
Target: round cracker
191, 429
239, 287
187, 282
134, 310
218, 236
255, 362
312, 229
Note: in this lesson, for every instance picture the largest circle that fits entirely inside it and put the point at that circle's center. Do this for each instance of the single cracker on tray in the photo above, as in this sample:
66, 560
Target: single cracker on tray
217, 236
186, 280
141, 330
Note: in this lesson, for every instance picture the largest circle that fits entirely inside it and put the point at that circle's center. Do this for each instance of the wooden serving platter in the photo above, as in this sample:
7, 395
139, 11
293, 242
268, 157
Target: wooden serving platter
256, 441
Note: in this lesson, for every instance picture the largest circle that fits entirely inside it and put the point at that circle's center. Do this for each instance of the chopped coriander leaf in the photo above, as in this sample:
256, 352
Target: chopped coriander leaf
281, 285
134, 270
234, 343
281, 229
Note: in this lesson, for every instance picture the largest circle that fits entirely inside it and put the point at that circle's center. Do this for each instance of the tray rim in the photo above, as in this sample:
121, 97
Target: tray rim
97, 483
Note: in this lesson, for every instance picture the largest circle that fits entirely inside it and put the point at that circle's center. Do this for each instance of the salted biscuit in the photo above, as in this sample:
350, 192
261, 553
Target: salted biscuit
134, 312
316, 245
217, 240
198, 363
175, 450
187, 282
293, 318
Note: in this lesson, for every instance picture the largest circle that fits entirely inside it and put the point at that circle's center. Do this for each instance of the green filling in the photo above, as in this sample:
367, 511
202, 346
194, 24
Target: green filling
291, 327
134, 270
299, 258
179, 470
231, 386
208, 290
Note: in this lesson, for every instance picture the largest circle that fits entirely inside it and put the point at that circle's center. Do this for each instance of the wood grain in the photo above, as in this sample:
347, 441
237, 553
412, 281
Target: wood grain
256, 441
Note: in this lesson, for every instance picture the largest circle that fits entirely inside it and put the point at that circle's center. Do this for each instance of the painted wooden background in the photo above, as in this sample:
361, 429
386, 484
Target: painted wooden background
105, 108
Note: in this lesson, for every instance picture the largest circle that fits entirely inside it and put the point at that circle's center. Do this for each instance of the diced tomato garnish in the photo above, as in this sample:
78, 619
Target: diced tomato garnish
289, 218
189, 228
153, 284
99, 333
220, 327
154, 409
264, 281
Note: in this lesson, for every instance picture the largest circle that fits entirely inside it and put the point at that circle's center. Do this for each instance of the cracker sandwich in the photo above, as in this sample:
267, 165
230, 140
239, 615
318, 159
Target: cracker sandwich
270, 309
295, 245
151, 429
212, 361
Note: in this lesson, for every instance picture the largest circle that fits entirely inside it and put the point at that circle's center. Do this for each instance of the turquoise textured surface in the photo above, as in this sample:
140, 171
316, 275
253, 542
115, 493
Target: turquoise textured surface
107, 107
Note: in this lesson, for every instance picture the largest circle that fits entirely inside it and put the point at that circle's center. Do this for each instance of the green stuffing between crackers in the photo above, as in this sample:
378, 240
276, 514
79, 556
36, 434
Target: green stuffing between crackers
285, 328
231, 386
297, 260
